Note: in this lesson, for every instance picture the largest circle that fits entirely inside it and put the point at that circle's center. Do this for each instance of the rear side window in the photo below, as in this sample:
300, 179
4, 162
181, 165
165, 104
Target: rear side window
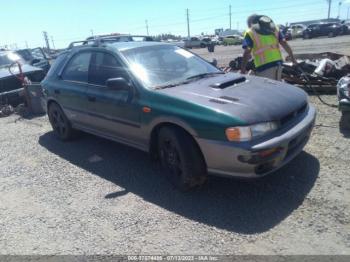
103, 67
56, 65
78, 68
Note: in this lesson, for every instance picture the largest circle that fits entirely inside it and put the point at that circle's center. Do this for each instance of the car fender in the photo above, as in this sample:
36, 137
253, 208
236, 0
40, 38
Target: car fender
171, 120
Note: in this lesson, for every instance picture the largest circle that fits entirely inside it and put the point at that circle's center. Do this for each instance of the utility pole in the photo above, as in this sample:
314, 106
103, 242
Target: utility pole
188, 24
230, 14
46, 38
347, 15
147, 27
53, 43
339, 6
92, 32
26, 44
329, 8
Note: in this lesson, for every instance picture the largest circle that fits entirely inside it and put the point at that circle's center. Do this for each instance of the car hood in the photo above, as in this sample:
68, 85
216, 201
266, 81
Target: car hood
4, 72
251, 99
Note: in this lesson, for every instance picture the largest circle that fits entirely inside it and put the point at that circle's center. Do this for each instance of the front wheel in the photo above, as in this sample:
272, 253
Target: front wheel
59, 122
181, 158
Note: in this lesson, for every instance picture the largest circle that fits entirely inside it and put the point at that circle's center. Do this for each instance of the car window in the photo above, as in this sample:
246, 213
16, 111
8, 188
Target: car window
78, 68
56, 64
103, 67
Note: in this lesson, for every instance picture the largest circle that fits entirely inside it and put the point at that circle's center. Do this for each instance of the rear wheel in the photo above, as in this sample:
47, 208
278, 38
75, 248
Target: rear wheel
345, 121
331, 34
59, 122
181, 159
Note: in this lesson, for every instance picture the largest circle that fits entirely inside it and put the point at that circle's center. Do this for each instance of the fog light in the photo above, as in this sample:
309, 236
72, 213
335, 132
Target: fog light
269, 152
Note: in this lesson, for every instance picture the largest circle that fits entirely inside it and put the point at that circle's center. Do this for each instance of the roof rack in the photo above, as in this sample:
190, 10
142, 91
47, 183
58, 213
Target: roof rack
97, 41
73, 44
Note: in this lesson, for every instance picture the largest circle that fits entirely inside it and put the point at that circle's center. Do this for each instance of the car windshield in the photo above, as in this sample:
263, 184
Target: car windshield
165, 65
37, 53
8, 58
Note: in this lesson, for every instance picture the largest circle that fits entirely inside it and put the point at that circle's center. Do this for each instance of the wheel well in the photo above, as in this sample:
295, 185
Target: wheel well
154, 139
49, 103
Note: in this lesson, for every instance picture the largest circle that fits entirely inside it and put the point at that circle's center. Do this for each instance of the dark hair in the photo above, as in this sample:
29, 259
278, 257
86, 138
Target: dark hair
253, 19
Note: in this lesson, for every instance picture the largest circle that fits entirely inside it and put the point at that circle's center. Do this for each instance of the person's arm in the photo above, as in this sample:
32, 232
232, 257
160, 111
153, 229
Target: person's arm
246, 57
289, 51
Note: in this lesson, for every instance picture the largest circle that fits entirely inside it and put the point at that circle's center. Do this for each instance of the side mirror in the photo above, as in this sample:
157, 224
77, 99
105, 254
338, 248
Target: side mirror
117, 84
214, 62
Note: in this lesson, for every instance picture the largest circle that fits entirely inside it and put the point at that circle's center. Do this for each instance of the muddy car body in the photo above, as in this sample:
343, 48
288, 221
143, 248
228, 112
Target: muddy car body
185, 112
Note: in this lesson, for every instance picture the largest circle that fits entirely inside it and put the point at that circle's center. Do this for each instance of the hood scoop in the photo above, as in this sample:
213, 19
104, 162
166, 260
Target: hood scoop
228, 83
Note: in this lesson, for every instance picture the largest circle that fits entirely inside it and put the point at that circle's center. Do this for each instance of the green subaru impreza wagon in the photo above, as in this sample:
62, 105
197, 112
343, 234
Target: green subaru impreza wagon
192, 117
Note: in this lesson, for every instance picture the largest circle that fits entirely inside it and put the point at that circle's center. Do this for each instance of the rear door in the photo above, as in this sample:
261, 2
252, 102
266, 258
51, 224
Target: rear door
71, 88
113, 112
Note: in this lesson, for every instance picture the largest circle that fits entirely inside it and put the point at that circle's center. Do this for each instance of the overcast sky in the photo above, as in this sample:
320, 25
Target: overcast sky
69, 20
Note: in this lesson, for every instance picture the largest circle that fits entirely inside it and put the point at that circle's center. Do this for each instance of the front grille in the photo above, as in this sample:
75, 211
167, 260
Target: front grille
286, 119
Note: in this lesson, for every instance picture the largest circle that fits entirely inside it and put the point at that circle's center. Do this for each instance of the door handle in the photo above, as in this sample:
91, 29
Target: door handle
57, 91
91, 98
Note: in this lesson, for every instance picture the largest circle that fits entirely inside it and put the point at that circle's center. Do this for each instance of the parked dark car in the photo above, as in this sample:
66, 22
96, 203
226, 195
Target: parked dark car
10, 85
323, 29
185, 112
35, 57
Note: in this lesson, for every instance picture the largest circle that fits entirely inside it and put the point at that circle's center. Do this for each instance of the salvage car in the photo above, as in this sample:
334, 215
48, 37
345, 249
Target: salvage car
35, 57
296, 31
10, 84
195, 42
232, 40
343, 90
191, 116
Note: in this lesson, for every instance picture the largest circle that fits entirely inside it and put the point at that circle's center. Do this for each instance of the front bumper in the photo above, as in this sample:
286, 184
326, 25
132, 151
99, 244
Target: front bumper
243, 159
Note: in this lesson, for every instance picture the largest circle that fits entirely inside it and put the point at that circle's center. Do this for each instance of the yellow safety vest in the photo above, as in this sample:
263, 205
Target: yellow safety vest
266, 47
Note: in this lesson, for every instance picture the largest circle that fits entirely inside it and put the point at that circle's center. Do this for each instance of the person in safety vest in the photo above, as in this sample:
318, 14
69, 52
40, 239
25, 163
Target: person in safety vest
262, 40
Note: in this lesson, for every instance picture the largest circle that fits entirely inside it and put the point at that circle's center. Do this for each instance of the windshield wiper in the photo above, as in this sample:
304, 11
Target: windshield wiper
170, 85
205, 75
188, 80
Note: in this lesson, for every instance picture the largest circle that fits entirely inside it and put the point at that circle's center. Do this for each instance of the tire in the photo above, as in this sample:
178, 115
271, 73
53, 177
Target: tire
331, 34
181, 159
60, 123
345, 121
307, 36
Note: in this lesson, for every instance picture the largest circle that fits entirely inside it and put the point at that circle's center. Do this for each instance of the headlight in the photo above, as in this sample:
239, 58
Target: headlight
344, 86
246, 133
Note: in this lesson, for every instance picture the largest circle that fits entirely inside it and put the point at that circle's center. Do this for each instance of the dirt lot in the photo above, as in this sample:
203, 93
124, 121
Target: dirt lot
341, 45
92, 196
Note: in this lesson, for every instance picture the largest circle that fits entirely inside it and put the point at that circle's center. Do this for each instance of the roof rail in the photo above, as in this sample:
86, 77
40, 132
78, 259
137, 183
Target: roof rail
72, 44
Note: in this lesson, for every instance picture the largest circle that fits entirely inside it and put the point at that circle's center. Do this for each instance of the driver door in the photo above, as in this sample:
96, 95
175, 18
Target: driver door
114, 113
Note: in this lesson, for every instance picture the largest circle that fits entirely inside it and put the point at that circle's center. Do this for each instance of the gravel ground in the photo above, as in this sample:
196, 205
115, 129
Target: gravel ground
92, 196
340, 44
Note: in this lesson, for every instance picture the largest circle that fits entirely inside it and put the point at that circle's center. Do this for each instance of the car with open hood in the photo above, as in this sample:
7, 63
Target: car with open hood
192, 117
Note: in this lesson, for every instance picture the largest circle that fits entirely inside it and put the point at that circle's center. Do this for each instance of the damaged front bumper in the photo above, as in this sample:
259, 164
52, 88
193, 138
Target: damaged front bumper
256, 159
